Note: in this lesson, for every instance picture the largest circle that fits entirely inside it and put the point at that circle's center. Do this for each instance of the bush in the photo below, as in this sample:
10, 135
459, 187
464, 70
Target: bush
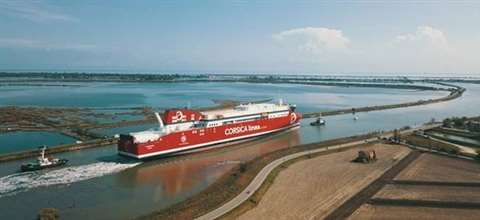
243, 167
447, 122
48, 214
453, 151
406, 127
477, 157
459, 122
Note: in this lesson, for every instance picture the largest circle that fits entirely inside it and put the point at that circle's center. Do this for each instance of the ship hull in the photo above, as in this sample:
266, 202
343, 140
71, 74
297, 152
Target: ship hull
198, 138
34, 167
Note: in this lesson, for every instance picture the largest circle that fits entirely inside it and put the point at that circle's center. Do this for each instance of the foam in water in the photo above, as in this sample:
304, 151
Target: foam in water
21, 182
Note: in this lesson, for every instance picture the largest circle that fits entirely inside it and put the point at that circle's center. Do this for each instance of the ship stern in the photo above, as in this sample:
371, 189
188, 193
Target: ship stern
127, 147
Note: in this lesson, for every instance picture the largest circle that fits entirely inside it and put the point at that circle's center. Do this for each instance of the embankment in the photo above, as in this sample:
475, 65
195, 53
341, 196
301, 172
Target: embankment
454, 93
58, 149
233, 182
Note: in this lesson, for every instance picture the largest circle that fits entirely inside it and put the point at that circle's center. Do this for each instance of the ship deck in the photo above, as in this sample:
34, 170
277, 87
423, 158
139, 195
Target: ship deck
245, 109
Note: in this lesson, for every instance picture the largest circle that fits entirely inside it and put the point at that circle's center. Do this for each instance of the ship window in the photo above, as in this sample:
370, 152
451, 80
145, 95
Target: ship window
199, 124
213, 124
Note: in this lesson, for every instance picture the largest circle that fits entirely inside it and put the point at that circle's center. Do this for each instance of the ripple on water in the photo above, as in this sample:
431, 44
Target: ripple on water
21, 182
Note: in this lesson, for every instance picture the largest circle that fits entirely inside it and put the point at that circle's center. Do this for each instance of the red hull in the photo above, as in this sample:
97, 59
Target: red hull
201, 137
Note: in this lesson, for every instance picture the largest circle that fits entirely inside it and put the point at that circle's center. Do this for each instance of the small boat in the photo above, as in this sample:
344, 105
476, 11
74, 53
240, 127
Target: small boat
43, 162
355, 117
318, 122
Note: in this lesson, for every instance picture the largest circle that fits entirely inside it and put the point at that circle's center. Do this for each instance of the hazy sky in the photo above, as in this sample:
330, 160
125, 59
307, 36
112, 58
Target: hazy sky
241, 36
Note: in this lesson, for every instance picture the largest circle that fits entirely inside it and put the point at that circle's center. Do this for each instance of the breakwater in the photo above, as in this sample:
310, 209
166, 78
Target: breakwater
454, 93
58, 149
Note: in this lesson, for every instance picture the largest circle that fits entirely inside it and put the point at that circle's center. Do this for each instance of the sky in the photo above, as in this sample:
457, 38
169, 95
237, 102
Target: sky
241, 36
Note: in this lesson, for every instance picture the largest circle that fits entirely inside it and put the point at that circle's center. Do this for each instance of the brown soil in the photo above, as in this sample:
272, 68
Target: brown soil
430, 193
397, 212
313, 188
430, 167
232, 183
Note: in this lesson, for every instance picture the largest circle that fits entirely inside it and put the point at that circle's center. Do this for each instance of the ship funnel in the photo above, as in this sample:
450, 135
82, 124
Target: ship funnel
159, 120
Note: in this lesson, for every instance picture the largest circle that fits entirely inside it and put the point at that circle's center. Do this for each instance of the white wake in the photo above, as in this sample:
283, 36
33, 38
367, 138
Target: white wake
21, 182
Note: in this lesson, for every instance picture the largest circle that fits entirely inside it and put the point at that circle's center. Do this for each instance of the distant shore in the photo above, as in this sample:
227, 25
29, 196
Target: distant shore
269, 78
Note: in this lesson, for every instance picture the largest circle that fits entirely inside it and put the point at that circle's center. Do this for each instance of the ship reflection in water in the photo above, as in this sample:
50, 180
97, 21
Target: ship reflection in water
185, 175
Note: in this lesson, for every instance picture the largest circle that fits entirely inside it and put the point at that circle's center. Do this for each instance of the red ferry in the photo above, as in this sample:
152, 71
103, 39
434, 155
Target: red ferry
186, 129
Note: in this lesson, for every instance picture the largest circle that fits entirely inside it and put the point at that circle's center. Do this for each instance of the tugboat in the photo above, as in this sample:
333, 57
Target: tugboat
43, 162
318, 122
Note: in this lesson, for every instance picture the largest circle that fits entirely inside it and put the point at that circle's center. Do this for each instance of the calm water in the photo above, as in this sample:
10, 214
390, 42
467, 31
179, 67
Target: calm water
141, 188
113, 115
29, 140
166, 95
123, 130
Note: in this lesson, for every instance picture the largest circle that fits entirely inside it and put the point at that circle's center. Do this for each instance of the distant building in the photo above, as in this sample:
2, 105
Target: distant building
448, 123
419, 132
473, 125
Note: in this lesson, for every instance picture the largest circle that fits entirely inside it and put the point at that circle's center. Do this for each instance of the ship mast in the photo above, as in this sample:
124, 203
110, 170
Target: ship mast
43, 152
159, 120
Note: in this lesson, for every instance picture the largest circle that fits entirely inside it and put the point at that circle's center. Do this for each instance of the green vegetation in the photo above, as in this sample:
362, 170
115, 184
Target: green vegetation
99, 76
455, 122
471, 124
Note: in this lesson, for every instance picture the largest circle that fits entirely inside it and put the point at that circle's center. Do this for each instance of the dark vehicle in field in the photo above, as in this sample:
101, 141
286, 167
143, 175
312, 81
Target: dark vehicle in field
366, 156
